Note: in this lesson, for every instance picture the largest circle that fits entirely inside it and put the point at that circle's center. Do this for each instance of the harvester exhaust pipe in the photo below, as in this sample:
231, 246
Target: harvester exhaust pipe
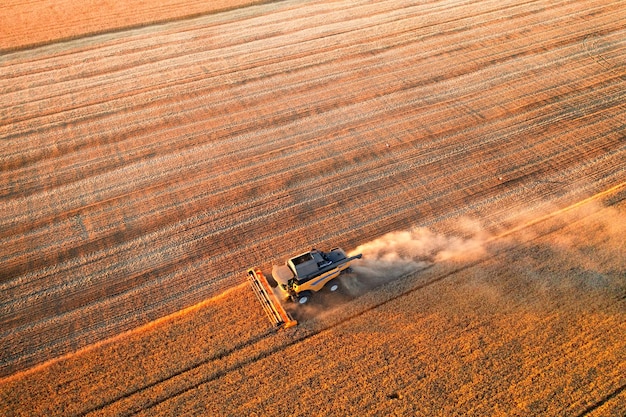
272, 306
352, 258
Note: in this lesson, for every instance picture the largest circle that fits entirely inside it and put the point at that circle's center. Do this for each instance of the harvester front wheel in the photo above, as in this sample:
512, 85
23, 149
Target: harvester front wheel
304, 297
333, 285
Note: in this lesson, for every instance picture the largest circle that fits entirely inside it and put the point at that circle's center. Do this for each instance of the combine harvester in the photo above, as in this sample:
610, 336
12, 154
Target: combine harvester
297, 280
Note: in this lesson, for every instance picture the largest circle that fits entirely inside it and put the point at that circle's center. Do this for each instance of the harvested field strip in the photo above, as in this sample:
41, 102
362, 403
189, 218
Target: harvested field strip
149, 151
158, 197
165, 42
38, 249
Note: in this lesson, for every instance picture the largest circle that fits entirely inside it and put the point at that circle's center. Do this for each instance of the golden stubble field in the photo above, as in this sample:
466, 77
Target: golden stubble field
473, 151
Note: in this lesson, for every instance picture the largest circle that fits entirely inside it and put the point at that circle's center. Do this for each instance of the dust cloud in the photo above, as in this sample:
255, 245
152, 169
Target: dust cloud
591, 260
403, 252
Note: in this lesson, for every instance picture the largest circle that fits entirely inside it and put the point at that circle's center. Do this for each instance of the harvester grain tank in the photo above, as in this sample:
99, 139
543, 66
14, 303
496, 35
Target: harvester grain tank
298, 279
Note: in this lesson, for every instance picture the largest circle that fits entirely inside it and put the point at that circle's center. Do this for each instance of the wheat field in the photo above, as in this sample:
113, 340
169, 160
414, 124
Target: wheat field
473, 151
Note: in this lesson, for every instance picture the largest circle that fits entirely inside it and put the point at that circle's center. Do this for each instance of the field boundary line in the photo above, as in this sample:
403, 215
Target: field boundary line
18, 47
557, 212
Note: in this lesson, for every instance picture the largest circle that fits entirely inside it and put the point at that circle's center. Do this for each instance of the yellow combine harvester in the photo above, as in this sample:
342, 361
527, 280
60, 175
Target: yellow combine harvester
297, 280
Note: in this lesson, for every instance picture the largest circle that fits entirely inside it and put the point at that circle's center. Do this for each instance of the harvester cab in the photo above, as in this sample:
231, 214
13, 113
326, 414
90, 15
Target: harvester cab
298, 279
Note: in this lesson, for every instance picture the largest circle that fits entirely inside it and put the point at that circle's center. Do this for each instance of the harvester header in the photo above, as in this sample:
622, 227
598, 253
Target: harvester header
273, 308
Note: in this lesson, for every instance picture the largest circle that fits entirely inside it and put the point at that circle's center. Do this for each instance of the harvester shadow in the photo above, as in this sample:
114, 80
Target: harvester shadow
352, 287
322, 302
